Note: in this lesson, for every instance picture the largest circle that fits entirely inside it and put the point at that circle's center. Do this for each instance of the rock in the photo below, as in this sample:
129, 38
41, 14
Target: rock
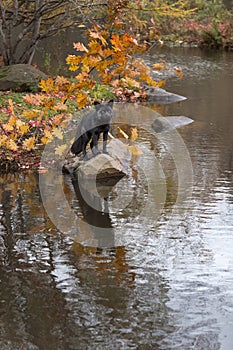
20, 78
161, 96
103, 167
169, 123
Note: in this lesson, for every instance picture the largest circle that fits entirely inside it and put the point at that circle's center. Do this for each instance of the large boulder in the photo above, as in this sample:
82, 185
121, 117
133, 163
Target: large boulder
103, 167
20, 78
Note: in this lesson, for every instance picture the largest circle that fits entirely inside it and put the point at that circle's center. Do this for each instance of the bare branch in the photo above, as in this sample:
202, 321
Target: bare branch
37, 20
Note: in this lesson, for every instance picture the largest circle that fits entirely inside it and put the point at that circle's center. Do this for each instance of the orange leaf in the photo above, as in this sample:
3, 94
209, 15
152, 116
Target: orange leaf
178, 71
34, 99
60, 107
8, 127
161, 83
158, 66
82, 100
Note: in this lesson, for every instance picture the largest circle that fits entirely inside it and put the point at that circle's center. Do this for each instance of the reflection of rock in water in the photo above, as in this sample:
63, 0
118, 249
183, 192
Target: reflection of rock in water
96, 219
95, 213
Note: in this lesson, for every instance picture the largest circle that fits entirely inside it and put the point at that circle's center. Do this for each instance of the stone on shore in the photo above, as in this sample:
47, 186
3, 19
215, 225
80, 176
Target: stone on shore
20, 78
161, 96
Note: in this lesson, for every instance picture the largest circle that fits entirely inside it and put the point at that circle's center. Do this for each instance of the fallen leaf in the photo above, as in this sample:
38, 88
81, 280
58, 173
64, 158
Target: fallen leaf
59, 150
29, 143
123, 133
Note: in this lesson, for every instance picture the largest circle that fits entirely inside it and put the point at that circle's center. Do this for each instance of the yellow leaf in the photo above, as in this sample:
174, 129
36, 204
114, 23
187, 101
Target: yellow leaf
3, 140
28, 144
135, 150
161, 83
12, 121
47, 137
11, 145
82, 100
73, 62
48, 85
8, 127
123, 133
130, 82
134, 134
59, 150
31, 114
57, 133
24, 128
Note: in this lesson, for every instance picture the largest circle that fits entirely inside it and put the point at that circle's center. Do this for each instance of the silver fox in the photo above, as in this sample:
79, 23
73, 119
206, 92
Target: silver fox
90, 128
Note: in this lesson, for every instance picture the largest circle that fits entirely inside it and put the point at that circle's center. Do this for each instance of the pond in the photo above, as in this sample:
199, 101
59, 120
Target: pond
150, 265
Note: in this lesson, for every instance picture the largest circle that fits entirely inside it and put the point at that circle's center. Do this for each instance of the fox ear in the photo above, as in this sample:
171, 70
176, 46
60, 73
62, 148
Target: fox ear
96, 104
110, 103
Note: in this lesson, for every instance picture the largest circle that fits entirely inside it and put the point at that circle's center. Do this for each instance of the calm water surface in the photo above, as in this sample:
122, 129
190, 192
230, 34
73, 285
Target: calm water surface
164, 279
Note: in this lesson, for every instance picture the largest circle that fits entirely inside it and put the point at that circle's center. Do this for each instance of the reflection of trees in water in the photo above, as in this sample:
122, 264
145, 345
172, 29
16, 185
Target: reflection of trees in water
28, 296
37, 272
57, 293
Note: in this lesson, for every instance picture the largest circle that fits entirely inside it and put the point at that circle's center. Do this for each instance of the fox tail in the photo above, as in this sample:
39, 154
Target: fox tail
76, 148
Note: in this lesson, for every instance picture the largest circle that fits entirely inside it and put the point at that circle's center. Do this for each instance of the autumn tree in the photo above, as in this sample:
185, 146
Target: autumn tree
25, 23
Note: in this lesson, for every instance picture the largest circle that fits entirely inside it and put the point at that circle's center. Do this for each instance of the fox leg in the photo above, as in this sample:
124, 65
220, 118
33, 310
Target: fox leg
94, 143
105, 138
85, 141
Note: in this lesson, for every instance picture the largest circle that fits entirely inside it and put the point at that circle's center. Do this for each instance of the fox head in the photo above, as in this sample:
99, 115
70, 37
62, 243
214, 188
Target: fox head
104, 111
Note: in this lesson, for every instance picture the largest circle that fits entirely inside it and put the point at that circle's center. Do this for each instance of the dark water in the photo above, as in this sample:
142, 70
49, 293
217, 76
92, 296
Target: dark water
164, 277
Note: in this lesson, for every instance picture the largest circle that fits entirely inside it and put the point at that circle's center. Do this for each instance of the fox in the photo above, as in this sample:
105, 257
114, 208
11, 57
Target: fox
91, 126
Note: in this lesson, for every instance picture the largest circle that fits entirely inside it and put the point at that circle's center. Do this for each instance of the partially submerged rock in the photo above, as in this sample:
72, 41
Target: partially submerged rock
161, 96
113, 165
169, 123
20, 78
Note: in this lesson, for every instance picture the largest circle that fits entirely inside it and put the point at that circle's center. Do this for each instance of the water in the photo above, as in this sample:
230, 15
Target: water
164, 280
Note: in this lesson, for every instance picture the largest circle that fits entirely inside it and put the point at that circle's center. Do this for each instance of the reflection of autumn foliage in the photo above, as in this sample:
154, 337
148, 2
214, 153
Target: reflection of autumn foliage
20, 193
114, 262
